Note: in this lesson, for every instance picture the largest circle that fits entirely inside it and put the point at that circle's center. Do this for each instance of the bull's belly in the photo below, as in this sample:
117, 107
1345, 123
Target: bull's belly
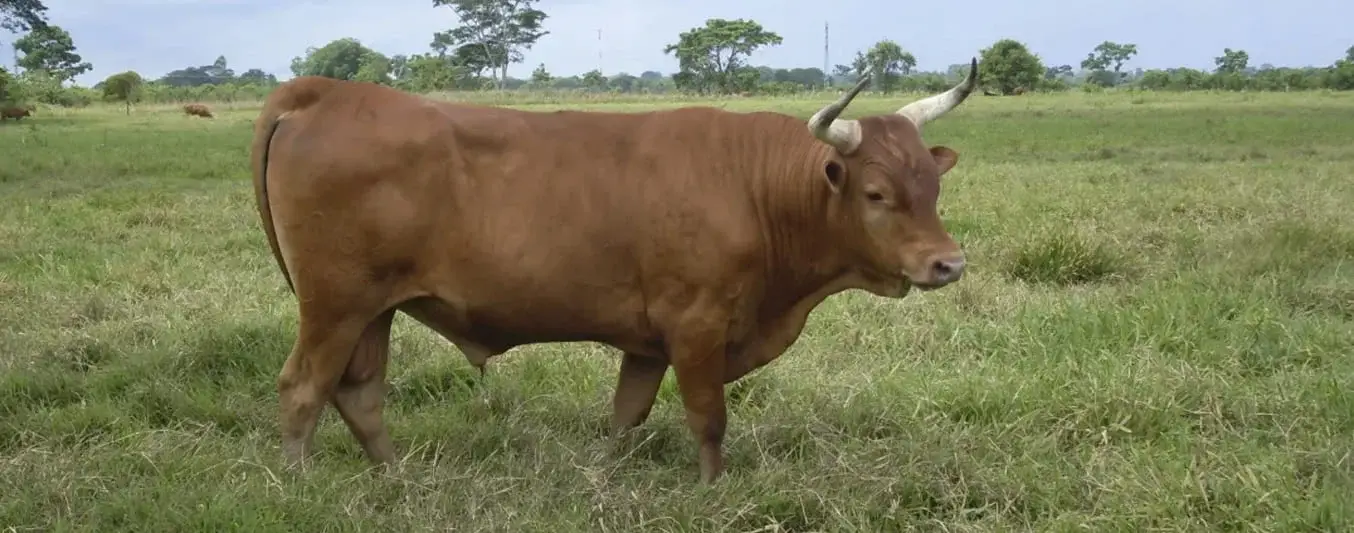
484, 331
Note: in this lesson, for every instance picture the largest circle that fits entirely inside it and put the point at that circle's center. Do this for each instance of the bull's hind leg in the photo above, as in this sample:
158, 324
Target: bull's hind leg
360, 397
324, 348
636, 389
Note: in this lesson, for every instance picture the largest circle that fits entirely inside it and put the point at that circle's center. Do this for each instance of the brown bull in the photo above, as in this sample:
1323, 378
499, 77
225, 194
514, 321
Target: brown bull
14, 112
694, 238
200, 110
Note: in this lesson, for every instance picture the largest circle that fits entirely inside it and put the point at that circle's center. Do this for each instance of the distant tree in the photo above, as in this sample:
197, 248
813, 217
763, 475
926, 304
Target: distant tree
257, 77
803, 77
216, 73
48, 48
1341, 75
623, 82
1008, 65
886, 62
428, 72
344, 59
19, 16
399, 67
1232, 61
6, 81
594, 80
956, 72
844, 73
375, 69
540, 76
503, 29
123, 87
713, 57
1107, 57
471, 59
1053, 73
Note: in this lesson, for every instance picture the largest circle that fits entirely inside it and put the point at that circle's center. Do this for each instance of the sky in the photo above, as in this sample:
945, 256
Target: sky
153, 37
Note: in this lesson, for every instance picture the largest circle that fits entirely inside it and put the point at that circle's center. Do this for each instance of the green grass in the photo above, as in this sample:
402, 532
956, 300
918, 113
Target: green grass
1157, 334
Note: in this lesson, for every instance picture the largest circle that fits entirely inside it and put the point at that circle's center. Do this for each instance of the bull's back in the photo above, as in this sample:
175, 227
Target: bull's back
589, 190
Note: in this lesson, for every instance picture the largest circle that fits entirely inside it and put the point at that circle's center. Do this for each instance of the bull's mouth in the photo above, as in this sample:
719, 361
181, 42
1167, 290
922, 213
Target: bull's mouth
924, 287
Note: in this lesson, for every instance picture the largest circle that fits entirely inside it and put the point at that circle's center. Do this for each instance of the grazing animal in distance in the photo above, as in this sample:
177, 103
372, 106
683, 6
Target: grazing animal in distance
200, 110
15, 112
696, 238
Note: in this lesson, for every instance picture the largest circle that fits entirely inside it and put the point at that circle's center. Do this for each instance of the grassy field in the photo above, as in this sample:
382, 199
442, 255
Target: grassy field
1156, 335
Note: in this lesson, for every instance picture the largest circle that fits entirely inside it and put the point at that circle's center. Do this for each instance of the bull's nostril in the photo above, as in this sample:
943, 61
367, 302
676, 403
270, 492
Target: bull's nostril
947, 270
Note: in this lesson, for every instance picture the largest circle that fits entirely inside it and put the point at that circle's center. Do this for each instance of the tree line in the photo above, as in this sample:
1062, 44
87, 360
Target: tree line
713, 59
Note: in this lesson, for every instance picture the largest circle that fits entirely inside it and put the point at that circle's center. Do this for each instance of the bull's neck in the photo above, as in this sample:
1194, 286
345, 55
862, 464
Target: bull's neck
804, 254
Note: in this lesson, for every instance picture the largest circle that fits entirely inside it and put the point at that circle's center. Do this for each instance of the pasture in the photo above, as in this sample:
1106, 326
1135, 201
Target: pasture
1156, 333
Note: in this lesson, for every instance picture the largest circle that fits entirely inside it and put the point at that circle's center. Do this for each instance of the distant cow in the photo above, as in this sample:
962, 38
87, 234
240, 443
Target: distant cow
197, 110
14, 112
695, 239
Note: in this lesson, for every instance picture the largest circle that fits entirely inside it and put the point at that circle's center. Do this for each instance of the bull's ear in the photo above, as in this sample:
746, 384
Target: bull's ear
945, 158
835, 173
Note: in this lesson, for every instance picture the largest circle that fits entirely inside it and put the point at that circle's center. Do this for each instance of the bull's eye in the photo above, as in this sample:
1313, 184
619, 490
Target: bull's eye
874, 196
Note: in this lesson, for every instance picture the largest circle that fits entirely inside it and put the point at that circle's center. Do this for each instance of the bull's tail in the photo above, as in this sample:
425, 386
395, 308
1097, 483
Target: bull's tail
263, 140
288, 98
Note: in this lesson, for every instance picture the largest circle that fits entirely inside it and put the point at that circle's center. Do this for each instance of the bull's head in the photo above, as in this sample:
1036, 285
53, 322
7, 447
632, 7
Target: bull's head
885, 183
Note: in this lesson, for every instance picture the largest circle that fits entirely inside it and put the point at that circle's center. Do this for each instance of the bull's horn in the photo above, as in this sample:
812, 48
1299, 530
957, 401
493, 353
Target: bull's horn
844, 135
932, 107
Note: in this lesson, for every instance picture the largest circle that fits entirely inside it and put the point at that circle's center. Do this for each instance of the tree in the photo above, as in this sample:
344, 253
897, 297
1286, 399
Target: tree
123, 87
19, 16
844, 73
216, 73
594, 80
1231, 61
5, 82
1053, 73
255, 76
49, 48
712, 57
428, 72
1341, 75
1008, 65
343, 59
886, 62
399, 67
503, 29
470, 60
804, 77
374, 69
540, 76
623, 82
1106, 55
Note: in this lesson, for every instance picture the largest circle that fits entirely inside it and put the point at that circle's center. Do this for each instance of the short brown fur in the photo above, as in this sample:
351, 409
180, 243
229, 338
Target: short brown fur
695, 238
14, 112
200, 110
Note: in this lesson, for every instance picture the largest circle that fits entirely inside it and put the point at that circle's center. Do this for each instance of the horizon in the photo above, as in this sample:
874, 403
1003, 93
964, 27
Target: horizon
1302, 33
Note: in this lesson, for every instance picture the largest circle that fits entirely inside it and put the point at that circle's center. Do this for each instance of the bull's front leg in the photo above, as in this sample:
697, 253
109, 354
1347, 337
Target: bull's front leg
698, 360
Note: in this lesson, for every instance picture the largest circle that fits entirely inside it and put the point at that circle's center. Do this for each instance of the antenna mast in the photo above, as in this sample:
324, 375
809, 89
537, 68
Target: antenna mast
827, 76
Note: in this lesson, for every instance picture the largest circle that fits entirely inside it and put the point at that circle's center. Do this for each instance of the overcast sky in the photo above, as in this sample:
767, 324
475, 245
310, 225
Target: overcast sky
153, 37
